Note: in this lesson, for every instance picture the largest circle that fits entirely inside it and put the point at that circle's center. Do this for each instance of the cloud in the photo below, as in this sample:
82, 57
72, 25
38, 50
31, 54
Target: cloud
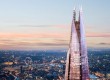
104, 43
37, 35
35, 25
98, 35
60, 40
24, 45
57, 26
17, 42
52, 44
5, 40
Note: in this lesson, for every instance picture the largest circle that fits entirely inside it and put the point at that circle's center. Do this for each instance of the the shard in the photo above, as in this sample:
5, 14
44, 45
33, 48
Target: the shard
77, 59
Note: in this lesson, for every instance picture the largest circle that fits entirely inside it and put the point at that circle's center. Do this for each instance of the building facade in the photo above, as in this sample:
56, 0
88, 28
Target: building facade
77, 59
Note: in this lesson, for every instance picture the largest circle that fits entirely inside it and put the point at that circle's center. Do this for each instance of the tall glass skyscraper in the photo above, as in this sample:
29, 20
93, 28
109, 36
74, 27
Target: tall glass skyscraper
77, 59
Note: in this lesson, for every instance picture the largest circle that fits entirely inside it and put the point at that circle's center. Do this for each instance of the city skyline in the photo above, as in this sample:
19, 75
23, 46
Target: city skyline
40, 24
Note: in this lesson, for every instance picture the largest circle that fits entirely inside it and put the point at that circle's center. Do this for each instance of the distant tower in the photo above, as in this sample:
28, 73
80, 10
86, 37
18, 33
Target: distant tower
77, 60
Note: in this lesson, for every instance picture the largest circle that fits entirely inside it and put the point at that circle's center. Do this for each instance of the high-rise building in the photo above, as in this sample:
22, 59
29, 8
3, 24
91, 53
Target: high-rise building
77, 60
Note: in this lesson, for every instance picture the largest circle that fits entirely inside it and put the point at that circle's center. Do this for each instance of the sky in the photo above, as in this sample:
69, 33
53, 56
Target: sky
46, 24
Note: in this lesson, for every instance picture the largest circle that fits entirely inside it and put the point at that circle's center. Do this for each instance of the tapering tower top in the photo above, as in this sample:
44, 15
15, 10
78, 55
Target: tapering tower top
74, 14
80, 13
77, 59
81, 9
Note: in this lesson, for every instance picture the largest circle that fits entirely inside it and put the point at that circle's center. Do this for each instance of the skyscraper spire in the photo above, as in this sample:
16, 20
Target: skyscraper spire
77, 60
74, 13
84, 57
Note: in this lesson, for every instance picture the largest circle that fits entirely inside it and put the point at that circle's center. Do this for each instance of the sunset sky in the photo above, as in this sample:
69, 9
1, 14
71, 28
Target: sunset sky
46, 24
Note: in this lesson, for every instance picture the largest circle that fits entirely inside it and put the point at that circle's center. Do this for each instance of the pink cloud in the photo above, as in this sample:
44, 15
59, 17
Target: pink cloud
98, 35
38, 35
48, 35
